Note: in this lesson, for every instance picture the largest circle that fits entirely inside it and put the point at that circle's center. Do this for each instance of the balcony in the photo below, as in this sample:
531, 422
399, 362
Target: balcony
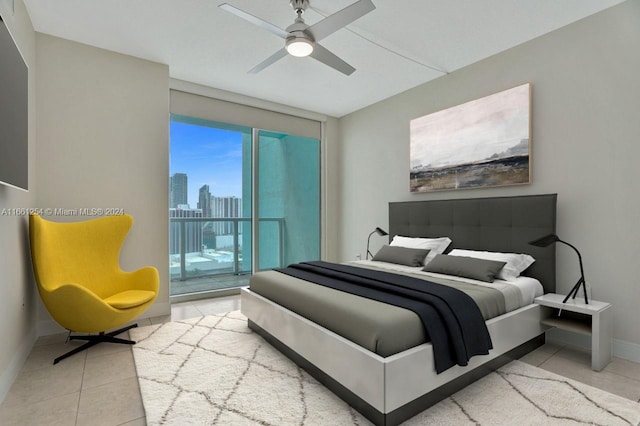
215, 253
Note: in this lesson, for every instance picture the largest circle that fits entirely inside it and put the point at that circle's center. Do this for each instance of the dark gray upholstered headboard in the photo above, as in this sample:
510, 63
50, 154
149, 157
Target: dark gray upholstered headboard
503, 224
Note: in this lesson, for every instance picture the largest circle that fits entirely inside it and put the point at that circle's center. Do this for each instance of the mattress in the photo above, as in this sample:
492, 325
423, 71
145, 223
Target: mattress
378, 327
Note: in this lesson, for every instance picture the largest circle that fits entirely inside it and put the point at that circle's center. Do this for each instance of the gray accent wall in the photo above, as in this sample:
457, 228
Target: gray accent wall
585, 147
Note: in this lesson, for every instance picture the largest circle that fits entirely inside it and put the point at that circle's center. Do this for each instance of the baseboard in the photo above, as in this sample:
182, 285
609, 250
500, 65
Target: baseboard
627, 350
10, 373
621, 349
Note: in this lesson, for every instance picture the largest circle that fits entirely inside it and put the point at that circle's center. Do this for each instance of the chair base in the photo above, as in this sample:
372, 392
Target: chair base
94, 339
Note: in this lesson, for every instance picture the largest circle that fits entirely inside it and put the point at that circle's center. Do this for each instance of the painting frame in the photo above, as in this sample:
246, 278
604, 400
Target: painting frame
481, 143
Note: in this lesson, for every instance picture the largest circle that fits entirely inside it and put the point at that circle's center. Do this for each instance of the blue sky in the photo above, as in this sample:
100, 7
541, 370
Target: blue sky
209, 157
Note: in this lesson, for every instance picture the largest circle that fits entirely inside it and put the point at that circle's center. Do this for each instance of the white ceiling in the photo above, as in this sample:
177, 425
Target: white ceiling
393, 48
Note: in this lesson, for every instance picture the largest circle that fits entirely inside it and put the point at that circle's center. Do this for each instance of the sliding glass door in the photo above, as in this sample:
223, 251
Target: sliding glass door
288, 199
210, 199
241, 200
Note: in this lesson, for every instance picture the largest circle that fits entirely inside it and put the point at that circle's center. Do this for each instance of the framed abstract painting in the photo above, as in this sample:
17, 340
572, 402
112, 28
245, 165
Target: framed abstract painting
478, 144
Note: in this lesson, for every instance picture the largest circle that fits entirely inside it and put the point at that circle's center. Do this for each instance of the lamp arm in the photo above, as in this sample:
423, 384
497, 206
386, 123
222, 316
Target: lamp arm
579, 257
368, 241
581, 281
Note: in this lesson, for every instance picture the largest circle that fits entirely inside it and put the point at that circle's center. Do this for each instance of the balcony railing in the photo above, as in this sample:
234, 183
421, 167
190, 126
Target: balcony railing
210, 247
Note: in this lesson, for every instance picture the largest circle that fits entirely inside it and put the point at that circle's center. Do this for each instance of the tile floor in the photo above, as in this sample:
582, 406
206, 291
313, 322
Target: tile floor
100, 387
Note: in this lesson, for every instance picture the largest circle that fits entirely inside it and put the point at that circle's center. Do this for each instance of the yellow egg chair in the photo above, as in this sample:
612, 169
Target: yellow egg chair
77, 270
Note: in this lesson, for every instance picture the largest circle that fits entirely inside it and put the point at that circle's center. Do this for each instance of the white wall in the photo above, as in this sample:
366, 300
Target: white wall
103, 130
330, 185
17, 289
585, 142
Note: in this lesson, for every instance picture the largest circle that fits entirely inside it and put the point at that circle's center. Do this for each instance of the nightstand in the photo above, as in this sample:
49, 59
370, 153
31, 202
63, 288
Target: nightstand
594, 320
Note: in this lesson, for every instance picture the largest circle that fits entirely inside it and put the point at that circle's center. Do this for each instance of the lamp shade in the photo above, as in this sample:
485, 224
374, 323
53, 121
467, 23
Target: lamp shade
381, 232
545, 241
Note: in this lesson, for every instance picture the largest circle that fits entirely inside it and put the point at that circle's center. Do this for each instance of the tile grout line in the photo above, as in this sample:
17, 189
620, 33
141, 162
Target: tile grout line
604, 388
621, 375
81, 386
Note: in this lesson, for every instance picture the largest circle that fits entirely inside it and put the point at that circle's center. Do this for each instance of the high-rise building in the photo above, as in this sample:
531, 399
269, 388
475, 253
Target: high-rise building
204, 201
230, 207
192, 230
177, 190
209, 235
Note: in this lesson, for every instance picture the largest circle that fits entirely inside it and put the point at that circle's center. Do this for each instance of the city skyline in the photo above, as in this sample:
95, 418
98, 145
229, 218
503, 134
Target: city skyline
204, 189
208, 156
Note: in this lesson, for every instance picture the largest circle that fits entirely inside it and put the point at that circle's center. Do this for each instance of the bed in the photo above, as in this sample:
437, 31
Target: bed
391, 384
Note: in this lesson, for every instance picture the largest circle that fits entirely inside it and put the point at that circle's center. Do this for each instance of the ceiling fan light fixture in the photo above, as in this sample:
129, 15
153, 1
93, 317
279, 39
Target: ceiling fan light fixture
299, 46
303, 40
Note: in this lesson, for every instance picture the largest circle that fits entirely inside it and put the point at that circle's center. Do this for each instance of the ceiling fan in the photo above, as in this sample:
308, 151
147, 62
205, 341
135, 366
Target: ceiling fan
302, 39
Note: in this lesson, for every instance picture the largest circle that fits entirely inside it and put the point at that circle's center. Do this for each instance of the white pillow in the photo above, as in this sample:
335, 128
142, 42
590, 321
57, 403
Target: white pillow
435, 245
516, 263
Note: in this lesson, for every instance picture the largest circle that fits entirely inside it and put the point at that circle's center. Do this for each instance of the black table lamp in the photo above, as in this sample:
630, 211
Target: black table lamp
378, 231
553, 238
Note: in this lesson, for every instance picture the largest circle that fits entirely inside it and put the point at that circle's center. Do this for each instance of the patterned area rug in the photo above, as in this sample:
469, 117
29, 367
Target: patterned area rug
215, 371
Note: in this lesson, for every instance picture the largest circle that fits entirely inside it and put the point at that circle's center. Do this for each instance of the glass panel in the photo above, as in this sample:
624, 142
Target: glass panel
210, 204
288, 199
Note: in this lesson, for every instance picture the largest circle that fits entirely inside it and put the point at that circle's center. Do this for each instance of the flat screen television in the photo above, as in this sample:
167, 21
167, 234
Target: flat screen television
14, 114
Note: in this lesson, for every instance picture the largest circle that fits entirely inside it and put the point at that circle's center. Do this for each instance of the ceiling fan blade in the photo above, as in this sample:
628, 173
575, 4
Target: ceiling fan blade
326, 57
270, 60
254, 20
340, 19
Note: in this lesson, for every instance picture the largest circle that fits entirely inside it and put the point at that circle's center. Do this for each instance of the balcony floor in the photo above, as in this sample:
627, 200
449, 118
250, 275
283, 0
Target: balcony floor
197, 285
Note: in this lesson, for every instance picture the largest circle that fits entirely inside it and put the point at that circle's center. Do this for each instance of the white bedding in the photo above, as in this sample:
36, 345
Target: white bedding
518, 293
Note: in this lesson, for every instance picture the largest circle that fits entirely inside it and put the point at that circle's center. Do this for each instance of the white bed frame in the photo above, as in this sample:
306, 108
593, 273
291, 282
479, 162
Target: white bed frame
386, 384
390, 390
